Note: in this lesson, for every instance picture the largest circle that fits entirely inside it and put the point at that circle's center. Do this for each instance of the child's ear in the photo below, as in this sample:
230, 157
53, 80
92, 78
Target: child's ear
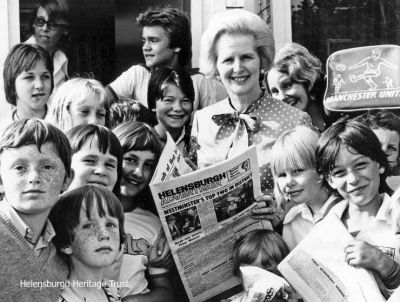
331, 183
381, 170
66, 250
68, 180
177, 49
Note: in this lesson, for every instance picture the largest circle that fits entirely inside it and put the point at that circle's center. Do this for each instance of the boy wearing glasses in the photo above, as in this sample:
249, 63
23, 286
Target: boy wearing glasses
50, 23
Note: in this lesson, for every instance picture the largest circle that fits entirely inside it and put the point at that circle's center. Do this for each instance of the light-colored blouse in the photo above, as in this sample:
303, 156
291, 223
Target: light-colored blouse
220, 132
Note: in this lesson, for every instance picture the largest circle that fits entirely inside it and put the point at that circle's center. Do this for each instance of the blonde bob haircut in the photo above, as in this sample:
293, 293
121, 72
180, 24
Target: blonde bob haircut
235, 22
75, 90
294, 149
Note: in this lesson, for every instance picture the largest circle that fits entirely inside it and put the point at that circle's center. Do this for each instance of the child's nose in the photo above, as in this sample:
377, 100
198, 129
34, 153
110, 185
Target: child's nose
104, 233
93, 119
289, 180
100, 170
34, 176
38, 83
177, 106
352, 177
138, 171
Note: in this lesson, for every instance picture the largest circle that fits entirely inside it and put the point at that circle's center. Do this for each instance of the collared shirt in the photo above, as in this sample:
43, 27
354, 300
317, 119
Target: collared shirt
60, 64
378, 233
44, 239
300, 220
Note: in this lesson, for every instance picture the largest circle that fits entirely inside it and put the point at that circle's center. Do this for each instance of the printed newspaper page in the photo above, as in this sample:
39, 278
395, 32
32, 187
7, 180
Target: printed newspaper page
171, 163
202, 214
316, 268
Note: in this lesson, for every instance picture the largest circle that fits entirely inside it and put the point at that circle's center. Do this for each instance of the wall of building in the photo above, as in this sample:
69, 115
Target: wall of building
201, 12
9, 35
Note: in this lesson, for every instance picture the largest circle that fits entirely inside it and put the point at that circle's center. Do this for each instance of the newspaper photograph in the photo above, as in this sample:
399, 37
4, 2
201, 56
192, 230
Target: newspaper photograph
317, 270
203, 213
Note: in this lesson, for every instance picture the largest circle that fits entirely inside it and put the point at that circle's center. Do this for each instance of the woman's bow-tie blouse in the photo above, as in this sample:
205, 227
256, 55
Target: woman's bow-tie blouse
220, 132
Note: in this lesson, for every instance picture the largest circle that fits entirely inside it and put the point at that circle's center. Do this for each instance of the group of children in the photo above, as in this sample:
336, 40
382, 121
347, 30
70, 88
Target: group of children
77, 213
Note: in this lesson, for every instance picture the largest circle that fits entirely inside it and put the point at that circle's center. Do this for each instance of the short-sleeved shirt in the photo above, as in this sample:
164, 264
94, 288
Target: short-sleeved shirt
299, 221
133, 83
143, 230
378, 233
211, 141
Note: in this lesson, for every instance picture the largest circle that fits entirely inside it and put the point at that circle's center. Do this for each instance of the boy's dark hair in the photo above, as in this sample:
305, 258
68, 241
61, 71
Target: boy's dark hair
176, 23
162, 76
127, 110
137, 136
351, 134
266, 243
37, 132
65, 215
23, 57
107, 141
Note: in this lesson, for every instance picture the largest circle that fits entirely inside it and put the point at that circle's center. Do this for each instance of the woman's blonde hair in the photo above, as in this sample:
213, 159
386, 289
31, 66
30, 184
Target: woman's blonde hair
294, 149
234, 22
75, 90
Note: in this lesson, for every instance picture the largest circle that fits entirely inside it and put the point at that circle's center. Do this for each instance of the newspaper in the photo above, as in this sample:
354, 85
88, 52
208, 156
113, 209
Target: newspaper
203, 213
316, 268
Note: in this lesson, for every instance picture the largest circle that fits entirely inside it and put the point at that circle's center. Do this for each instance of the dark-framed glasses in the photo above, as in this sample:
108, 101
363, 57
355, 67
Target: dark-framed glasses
51, 25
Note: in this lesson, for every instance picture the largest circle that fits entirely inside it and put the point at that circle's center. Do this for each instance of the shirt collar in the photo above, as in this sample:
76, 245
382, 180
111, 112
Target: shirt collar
44, 239
305, 211
181, 137
342, 206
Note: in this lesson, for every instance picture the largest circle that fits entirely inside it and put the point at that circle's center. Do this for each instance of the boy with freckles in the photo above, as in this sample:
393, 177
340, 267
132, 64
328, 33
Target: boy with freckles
35, 160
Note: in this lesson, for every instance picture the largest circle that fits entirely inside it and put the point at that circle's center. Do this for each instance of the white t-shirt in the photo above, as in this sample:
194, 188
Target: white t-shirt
133, 83
143, 230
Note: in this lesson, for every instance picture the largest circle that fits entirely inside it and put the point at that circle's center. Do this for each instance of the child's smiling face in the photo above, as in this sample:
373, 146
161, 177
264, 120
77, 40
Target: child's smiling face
355, 176
300, 185
137, 170
32, 179
96, 240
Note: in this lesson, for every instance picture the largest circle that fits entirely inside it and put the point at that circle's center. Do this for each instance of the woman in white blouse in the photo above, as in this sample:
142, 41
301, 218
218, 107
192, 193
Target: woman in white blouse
236, 48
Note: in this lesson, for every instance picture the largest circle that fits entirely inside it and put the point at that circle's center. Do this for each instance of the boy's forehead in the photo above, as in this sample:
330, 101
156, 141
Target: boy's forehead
155, 31
144, 155
31, 152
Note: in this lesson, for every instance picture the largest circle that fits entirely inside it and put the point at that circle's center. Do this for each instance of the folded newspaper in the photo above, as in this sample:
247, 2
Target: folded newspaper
203, 213
317, 270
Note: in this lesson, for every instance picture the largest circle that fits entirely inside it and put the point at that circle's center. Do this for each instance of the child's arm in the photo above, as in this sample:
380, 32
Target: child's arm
160, 254
361, 254
161, 290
